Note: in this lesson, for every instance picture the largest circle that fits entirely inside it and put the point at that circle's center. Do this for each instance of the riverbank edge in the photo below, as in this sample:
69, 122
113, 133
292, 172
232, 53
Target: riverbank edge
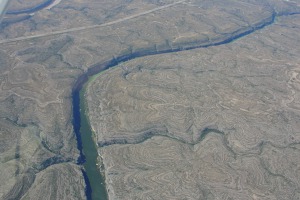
85, 113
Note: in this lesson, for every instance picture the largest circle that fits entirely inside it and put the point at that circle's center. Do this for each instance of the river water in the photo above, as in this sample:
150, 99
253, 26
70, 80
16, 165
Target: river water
95, 183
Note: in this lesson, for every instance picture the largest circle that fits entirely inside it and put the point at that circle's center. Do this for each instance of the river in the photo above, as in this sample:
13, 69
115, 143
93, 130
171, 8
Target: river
95, 183
33, 9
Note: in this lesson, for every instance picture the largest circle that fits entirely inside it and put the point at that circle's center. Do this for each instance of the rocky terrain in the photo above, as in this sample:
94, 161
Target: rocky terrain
213, 122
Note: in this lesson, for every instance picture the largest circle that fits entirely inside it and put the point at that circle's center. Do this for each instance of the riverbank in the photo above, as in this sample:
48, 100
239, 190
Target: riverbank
95, 183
